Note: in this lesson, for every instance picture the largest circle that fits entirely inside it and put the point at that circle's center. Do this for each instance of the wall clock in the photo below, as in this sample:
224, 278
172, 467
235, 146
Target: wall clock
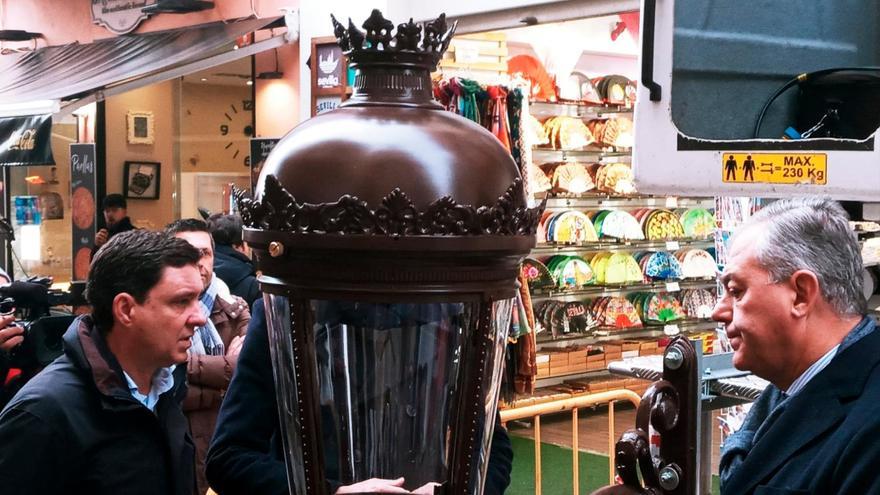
237, 125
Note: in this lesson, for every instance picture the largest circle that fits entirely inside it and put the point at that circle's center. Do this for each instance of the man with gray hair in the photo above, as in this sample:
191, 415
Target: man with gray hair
795, 315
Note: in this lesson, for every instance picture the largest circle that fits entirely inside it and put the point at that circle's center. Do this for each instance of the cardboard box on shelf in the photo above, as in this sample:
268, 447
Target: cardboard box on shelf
558, 358
630, 345
596, 357
630, 354
613, 347
595, 365
542, 358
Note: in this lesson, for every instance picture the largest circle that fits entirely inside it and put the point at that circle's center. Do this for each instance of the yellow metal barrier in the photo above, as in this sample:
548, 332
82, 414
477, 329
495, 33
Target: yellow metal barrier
573, 404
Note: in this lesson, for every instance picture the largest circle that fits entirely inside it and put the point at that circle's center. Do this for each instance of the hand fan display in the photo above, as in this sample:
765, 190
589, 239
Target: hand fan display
615, 131
620, 225
698, 223
570, 226
579, 317
615, 178
696, 263
618, 313
536, 274
663, 266
534, 131
543, 87
568, 133
538, 180
622, 269
599, 263
657, 308
698, 303
661, 225
572, 177
570, 272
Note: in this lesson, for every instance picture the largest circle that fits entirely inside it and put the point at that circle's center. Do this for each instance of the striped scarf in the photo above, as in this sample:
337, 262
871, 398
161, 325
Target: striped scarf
206, 340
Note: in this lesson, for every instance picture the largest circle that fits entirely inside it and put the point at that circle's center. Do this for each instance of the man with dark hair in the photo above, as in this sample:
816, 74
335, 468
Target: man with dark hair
216, 344
105, 417
232, 262
115, 216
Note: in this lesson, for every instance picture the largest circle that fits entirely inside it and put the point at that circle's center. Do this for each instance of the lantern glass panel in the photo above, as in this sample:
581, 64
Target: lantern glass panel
388, 378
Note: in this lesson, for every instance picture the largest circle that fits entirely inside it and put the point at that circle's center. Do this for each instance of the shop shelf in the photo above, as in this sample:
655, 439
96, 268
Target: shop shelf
610, 290
546, 155
541, 109
599, 200
548, 249
601, 335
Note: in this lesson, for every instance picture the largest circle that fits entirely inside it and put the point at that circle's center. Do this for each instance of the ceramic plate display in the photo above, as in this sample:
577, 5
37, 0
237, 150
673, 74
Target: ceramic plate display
573, 178
697, 263
698, 222
662, 224
622, 269
698, 303
536, 274
571, 227
662, 266
620, 225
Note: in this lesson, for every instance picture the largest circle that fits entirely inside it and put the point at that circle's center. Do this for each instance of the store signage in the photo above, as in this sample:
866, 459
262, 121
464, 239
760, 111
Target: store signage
260, 149
774, 168
119, 16
26, 140
329, 66
83, 205
326, 103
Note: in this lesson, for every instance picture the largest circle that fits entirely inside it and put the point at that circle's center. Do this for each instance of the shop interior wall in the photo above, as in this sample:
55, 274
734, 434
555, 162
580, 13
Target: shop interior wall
277, 100
159, 99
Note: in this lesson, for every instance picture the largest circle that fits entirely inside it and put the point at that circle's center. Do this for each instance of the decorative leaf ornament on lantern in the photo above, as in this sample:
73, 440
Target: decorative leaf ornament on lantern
389, 234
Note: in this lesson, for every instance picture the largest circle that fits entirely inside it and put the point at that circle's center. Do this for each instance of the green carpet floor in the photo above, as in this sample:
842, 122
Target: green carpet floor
556, 470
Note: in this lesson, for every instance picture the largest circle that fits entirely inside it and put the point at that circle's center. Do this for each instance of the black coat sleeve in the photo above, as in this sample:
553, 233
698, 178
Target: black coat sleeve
34, 457
500, 461
243, 458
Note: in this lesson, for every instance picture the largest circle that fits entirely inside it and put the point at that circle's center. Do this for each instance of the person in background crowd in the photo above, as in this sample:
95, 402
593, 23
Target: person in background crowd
215, 345
795, 316
116, 217
246, 453
232, 262
105, 418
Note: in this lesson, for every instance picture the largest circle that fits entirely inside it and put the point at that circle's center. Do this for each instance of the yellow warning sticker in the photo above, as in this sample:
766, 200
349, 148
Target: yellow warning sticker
775, 168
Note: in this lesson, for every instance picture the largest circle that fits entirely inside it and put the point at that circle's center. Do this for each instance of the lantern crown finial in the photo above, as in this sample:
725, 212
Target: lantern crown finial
412, 44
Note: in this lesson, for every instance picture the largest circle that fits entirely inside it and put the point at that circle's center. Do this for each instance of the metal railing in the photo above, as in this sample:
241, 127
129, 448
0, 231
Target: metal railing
536, 411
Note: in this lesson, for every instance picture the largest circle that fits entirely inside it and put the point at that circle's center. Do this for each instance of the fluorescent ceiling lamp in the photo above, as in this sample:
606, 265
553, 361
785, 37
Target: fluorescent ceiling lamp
35, 107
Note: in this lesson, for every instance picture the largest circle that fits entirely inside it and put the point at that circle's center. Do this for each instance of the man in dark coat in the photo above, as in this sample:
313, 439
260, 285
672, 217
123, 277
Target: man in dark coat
795, 315
116, 219
105, 418
232, 261
246, 453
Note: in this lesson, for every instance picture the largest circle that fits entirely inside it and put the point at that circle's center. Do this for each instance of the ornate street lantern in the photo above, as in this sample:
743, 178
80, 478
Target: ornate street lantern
389, 234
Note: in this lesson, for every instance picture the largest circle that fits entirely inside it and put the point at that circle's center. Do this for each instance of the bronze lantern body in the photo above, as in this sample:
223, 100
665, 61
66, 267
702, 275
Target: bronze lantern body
389, 234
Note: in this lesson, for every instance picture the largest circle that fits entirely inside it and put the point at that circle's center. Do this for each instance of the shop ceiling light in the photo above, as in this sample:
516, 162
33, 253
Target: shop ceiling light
177, 6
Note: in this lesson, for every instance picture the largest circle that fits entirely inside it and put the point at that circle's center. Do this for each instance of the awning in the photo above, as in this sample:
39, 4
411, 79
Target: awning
89, 72
26, 141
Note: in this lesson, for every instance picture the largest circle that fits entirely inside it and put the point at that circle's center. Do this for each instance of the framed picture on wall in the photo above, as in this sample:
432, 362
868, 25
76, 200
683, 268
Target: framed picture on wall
140, 127
141, 180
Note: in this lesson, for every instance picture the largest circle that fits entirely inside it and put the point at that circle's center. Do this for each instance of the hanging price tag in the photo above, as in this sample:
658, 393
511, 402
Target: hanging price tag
672, 287
672, 246
671, 330
672, 202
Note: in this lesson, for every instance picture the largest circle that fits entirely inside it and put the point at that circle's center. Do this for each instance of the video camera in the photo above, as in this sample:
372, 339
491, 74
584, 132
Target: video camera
32, 301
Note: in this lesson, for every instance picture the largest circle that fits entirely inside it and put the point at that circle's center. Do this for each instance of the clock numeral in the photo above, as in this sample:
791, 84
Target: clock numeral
227, 117
235, 155
233, 108
224, 129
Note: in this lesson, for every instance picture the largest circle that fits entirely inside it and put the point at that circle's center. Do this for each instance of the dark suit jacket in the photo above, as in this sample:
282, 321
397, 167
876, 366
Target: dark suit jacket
827, 439
246, 453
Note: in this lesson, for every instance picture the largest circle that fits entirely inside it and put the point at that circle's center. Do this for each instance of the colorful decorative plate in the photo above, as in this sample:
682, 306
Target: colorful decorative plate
663, 266
698, 222
536, 273
662, 224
